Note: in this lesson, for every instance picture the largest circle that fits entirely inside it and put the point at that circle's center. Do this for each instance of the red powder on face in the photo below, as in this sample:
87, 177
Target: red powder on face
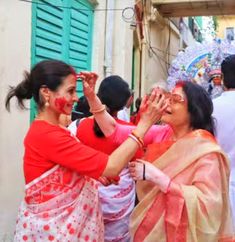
60, 104
180, 84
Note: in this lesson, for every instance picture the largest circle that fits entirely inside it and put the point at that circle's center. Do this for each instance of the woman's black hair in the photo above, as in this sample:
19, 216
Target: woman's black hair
81, 109
200, 106
114, 93
48, 73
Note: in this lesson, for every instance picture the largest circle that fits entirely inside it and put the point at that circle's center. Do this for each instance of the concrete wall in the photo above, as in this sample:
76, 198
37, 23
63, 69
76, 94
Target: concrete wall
122, 41
15, 32
223, 23
165, 42
161, 44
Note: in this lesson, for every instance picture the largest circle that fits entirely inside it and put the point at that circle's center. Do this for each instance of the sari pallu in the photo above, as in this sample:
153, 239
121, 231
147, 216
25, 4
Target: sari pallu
60, 206
196, 207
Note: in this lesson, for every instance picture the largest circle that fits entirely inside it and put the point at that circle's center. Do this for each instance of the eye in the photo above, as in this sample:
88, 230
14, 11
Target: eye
72, 91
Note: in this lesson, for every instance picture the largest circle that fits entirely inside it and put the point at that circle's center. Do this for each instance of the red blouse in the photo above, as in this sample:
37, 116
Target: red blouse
47, 145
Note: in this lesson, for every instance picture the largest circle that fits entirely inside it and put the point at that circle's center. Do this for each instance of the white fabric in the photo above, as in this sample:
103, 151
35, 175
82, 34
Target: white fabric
73, 127
224, 113
117, 203
60, 206
124, 114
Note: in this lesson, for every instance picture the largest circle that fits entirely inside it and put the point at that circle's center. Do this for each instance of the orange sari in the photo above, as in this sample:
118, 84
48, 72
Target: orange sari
196, 207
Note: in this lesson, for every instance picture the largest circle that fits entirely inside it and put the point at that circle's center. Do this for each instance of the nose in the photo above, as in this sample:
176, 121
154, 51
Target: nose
75, 97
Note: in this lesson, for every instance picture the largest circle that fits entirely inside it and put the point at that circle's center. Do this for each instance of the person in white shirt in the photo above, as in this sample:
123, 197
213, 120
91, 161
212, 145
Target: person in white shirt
224, 114
124, 114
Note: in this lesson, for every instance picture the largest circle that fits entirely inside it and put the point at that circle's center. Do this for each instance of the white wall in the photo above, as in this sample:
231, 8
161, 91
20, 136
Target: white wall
164, 39
122, 41
15, 32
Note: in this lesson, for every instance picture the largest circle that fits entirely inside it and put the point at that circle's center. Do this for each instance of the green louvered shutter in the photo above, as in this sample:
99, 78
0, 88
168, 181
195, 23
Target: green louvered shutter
80, 38
62, 30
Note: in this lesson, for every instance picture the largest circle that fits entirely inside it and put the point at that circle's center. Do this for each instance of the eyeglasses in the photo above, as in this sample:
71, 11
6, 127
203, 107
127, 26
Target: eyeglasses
174, 97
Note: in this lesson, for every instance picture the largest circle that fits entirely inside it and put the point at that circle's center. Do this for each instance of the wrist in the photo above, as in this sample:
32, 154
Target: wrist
94, 102
142, 128
162, 181
91, 97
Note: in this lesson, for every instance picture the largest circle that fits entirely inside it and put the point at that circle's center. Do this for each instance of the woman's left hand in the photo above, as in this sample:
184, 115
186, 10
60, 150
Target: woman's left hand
144, 170
140, 170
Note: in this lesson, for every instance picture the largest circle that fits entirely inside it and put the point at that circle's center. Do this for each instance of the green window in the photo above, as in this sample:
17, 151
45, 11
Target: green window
62, 30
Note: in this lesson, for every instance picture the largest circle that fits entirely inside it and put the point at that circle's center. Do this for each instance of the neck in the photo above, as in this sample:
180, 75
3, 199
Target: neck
49, 116
228, 89
180, 131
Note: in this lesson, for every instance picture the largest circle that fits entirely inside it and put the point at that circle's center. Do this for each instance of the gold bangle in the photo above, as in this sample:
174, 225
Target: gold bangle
99, 110
137, 137
136, 140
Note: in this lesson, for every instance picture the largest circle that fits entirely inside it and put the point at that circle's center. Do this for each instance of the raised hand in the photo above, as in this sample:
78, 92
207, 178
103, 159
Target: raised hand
153, 106
88, 81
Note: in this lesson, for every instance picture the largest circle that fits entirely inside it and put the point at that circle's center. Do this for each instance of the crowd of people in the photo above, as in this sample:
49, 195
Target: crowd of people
165, 174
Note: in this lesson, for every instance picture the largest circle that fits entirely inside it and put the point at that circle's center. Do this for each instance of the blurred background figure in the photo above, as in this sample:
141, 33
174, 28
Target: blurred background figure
224, 110
135, 116
124, 114
215, 83
81, 110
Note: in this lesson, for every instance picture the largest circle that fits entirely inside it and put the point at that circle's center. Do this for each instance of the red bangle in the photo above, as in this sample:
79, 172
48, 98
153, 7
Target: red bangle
135, 139
138, 138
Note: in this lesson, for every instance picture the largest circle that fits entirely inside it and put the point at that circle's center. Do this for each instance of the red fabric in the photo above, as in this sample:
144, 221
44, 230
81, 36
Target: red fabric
155, 150
47, 145
135, 118
104, 144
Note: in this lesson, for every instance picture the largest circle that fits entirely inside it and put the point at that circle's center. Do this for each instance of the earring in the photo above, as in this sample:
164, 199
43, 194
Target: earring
47, 104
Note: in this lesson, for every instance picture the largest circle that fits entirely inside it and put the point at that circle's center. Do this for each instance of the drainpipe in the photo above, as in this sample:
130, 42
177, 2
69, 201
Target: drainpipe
109, 25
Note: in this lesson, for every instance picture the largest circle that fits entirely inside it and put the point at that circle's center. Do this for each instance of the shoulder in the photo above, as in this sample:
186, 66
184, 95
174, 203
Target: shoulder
211, 160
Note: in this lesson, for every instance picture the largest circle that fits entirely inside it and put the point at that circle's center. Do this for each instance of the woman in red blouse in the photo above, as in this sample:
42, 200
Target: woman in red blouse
61, 199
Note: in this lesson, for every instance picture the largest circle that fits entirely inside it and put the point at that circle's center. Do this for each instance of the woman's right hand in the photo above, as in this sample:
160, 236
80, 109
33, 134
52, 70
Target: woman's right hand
88, 81
152, 107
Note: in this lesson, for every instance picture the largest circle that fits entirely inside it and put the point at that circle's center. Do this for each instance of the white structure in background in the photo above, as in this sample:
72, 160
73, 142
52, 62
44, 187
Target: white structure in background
15, 42
208, 29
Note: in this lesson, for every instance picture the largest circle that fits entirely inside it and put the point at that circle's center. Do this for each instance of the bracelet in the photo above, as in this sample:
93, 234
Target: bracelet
144, 178
99, 110
168, 187
135, 139
138, 138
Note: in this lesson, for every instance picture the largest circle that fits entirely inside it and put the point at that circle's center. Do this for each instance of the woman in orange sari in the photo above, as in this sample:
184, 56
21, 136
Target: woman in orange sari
185, 193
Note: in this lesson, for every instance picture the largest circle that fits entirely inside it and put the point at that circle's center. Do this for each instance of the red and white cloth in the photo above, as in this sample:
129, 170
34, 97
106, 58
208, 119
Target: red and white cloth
60, 205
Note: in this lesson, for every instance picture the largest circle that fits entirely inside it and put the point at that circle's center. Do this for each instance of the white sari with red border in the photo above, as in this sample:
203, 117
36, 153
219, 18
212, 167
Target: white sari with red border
60, 205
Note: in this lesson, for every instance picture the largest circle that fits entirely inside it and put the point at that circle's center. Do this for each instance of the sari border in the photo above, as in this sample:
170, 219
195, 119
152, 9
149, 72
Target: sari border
36, 180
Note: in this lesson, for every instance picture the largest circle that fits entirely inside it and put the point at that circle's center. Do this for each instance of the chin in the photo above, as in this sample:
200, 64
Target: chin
166, 118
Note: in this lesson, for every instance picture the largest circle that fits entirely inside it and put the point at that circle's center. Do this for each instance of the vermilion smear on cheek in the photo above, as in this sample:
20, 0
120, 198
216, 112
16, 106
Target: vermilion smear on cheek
60, 103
